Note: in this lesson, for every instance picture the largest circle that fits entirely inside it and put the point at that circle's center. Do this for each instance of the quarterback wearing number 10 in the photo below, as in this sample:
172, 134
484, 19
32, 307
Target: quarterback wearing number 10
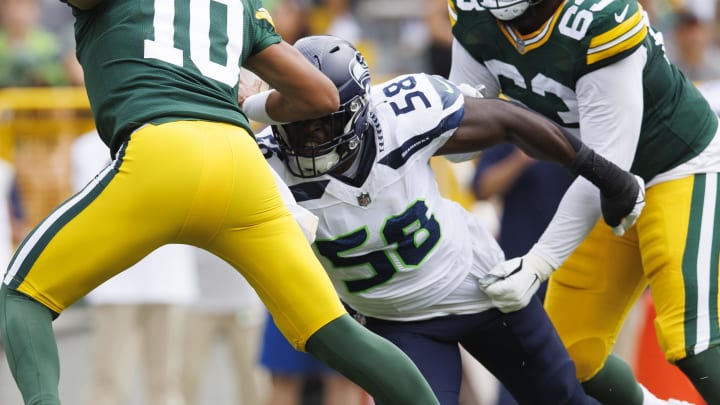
162, 77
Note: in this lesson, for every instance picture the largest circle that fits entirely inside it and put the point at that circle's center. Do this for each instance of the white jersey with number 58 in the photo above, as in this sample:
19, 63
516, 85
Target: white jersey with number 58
392, 245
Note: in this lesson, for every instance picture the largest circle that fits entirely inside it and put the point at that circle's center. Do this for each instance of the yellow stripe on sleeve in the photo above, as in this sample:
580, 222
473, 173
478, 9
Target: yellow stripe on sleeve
452, 13
622, 37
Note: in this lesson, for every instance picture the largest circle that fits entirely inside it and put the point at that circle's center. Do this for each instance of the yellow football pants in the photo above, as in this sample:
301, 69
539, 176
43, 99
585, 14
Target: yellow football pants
674, 248
193, 182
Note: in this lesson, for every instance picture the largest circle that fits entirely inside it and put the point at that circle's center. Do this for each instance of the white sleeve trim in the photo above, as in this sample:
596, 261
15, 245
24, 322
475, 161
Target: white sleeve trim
465, 69
610, 105
254, 108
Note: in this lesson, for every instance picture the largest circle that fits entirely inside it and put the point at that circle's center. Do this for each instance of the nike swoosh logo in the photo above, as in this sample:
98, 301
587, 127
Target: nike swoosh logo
515, 271
620, 17
448, 88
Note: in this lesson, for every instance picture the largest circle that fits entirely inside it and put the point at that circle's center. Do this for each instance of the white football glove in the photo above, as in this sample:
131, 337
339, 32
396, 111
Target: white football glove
471, 91
629, 220
512, 284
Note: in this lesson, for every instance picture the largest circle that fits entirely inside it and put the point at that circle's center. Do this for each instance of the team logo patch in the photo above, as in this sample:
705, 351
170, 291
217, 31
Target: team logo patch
263, 14
364, 199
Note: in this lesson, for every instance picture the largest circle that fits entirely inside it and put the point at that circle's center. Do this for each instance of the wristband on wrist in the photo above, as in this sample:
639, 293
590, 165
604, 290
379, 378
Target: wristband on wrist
254, 108
605, 175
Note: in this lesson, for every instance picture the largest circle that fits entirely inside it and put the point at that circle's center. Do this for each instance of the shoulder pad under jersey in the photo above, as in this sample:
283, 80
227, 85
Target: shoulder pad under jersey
608, 29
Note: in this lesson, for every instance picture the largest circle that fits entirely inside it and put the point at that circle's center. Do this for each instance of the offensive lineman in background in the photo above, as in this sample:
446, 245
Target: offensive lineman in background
599, 69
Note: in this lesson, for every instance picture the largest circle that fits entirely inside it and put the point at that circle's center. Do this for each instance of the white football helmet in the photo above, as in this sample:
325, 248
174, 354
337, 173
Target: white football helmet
506, 10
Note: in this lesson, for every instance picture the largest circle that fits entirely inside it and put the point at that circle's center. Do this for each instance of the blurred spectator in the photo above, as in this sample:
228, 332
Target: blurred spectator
18, 223
659, 12
440, 43
692, 48
297, 18
291, 371
11, 218
711, 90
12, 224
138, 315
342, 21
291, 18
57, 18
529, 193
227, 310
30, 54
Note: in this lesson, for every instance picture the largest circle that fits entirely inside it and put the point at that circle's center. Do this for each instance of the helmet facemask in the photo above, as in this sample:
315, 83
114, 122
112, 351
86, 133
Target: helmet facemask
319, 146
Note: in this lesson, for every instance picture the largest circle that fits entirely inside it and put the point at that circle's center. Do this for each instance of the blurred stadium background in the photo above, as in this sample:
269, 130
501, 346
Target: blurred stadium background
39, 123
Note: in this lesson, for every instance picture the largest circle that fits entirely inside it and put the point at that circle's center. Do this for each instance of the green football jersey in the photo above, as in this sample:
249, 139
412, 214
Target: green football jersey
541, 69
152, 61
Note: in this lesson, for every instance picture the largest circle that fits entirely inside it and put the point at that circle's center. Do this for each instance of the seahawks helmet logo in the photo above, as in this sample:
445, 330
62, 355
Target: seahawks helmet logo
359, 71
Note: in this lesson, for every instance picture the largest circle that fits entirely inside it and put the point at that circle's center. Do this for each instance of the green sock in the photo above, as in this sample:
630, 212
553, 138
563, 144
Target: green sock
372, 362
29, 342
615, 384
703, 370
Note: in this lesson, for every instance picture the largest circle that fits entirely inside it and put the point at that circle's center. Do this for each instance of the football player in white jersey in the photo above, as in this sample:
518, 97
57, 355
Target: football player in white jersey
410, 262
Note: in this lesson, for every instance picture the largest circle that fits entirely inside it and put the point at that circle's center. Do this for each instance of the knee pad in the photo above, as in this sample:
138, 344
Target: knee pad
589, 355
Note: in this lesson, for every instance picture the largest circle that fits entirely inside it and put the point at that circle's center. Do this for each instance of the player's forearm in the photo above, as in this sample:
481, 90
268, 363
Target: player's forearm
300, 92
605, 175
612, 181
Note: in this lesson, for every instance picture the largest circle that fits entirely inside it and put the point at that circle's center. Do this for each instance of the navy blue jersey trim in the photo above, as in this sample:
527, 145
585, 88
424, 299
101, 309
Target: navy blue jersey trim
311, 190
401, 155
448, 92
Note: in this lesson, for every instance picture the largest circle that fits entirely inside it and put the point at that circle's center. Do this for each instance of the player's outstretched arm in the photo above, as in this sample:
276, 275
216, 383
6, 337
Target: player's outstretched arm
511, 284
301, 91
488, 122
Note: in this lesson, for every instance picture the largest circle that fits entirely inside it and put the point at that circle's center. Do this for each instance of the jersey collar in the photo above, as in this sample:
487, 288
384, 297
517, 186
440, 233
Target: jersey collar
526, 43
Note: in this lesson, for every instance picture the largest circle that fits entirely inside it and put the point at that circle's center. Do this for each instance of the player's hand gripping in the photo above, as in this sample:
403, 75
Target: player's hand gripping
248, 85
622, 213
512, 284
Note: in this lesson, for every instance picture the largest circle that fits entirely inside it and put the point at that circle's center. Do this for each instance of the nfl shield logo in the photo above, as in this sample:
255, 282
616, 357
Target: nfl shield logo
364, 199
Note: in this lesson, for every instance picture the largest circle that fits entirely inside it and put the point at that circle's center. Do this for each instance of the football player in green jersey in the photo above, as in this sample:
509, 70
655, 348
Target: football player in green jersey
162, 79
599, 69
